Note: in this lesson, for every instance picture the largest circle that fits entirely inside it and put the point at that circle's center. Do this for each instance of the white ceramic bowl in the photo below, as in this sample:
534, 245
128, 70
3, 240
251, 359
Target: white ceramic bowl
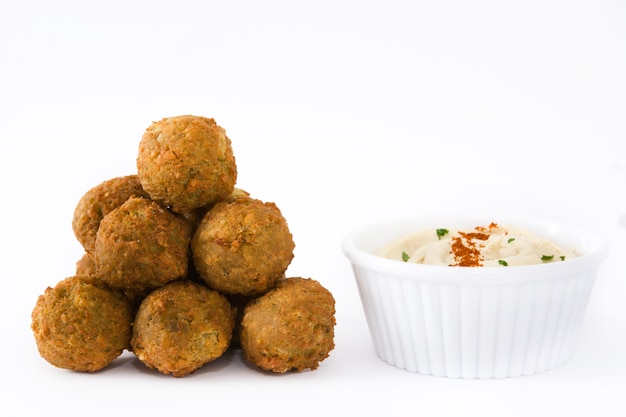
474, 322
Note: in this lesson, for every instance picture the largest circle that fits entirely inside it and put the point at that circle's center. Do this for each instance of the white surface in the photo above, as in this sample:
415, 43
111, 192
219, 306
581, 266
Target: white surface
339, 112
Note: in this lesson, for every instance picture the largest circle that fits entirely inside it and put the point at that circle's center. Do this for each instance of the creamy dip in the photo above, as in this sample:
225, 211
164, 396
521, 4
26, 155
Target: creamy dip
490, 245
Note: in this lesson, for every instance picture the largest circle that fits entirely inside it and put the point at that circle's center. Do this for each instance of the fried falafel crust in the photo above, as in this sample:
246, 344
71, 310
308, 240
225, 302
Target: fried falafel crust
182, 326
141, 246
81, 324
99, 201
186, 162
86, 265
242, 246
291, 327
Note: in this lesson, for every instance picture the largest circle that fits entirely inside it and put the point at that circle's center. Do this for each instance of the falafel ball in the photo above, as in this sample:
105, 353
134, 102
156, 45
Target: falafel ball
182, 326
81, 324
242, 246
291, 327
86, 265
141, 246
99, 201
186, 162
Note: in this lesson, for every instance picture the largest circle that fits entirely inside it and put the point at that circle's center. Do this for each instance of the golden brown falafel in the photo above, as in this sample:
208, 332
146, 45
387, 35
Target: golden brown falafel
238, 303
182, 326
97, 202
195, 216
186, 162
137, 231
242, 246
86, 265
141, 246
81, 324
291, 327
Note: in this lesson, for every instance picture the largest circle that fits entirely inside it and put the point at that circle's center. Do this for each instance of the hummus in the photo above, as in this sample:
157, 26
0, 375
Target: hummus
490, 245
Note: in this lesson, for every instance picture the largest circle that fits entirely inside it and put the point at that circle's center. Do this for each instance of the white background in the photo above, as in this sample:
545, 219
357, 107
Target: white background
340, 112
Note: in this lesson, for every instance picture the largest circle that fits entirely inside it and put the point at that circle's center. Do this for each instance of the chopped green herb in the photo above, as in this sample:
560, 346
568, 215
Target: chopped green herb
562, 257
442, 232
547, 257
503, 262
405, 256
510, 240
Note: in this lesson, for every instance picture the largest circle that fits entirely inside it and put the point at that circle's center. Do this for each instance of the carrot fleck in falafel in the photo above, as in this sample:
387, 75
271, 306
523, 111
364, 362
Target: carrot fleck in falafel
81, 324
291, 327
182, 326
186, 162
242, 246
141, 246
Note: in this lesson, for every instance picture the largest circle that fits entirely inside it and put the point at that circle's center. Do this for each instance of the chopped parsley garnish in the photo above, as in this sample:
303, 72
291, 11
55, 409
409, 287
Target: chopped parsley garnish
503, 262
562, 257
510, 240
405, 256
442, 232
546, 257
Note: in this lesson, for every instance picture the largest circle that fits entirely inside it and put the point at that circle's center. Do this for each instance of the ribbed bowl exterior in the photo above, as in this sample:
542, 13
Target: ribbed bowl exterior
464, 322
474, 331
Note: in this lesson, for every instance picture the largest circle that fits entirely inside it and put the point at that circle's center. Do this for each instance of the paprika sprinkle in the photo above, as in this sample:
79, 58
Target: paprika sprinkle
465, 247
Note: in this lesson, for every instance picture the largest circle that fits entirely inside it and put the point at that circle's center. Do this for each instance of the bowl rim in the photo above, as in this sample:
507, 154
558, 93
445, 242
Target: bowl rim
591, 246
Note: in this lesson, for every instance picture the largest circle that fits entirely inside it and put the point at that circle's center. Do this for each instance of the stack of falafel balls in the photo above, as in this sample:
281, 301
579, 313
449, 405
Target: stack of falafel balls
180, 265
